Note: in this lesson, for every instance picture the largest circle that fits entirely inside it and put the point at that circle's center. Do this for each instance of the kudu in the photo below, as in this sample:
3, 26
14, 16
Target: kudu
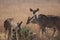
8, 24
49, 21
11, 27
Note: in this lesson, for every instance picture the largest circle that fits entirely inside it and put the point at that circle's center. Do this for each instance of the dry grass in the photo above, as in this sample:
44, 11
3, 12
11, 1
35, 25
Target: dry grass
2, 36
45, 36
20, 12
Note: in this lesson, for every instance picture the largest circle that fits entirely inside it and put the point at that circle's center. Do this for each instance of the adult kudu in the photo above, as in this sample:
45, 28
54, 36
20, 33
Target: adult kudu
49, 21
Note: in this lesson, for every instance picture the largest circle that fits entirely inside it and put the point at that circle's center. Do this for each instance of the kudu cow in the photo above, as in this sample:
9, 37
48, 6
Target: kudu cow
49, 21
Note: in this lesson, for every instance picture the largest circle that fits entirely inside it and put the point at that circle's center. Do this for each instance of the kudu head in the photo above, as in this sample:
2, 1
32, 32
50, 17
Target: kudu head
34, 11
19, 24
32, 19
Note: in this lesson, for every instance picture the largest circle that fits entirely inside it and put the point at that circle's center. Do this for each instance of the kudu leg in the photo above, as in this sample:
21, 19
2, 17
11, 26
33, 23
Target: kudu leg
43, 30
9, 34
54, 32
5, 34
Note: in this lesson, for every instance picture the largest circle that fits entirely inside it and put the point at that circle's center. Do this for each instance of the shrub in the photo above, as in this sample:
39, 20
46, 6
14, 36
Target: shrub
25, 33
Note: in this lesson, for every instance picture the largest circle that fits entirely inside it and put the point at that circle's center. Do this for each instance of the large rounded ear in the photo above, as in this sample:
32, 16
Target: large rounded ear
31, 9
37, 9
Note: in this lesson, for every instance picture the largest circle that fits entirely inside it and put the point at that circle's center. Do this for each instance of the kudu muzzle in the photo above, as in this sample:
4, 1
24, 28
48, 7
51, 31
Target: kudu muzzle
30, 18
